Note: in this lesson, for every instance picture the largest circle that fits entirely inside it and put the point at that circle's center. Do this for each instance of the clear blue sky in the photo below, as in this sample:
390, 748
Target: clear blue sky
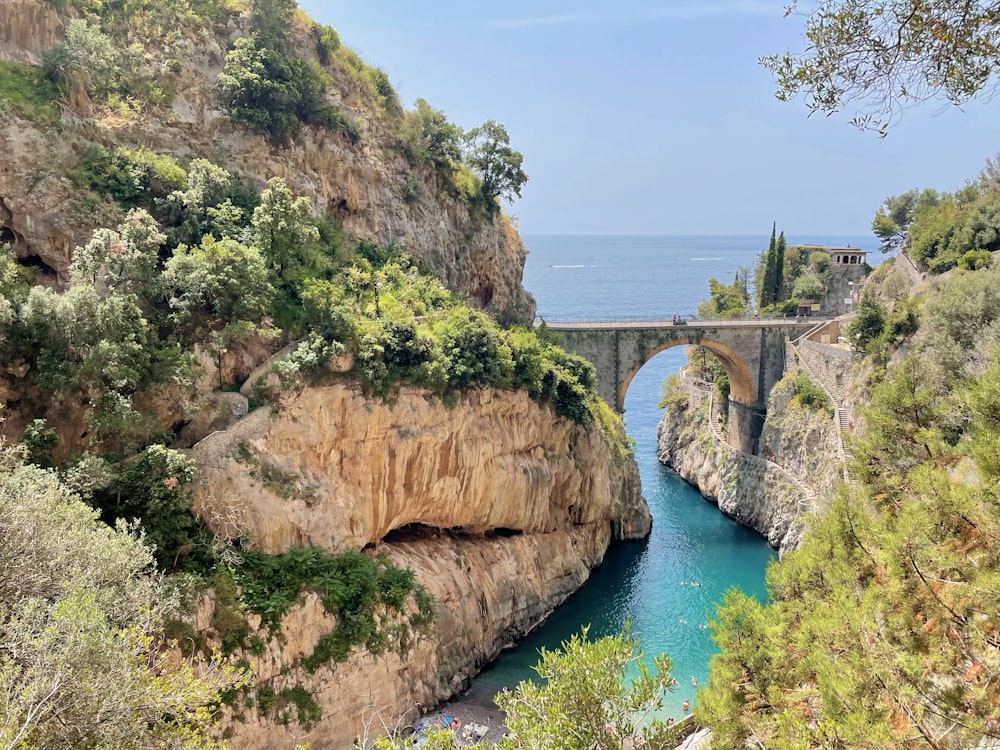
647, 117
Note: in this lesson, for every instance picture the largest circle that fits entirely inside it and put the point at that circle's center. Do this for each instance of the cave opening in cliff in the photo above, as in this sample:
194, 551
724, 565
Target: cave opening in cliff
412, 532
417, 531
10, 238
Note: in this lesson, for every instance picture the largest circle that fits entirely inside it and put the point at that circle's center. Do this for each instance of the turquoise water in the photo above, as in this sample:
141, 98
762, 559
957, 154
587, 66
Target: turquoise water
591, 277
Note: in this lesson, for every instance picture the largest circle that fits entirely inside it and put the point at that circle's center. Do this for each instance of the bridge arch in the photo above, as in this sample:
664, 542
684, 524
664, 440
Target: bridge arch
742, 385
752, 353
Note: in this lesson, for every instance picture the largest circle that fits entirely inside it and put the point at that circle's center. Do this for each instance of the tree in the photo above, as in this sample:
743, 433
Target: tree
121, 260
586, 701
883, 56
81, 610
724, 300
498, 165
768, 282
220, 280
808, 286
282, 228
896, 213
271, 92
779, 267
426, 135
868, 324
87, 59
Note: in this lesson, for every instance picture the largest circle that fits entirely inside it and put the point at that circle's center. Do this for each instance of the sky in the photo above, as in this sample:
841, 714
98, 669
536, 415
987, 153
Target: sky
654, 117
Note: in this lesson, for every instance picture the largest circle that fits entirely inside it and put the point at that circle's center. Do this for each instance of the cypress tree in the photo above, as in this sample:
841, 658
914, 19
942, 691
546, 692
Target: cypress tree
779, 268
767, 288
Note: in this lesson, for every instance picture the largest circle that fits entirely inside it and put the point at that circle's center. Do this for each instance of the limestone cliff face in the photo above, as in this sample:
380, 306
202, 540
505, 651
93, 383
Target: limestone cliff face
356, 469
428, 486
488, 592
27, 29
367, 185
770, 496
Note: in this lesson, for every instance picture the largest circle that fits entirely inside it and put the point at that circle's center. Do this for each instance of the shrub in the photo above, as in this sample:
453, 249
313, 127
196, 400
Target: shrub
474, 352
39, 441
29, 94
426, 135
869, 323
270, 92
327, 42
87, 59
811, 395
356, 589
154, 489
973, 260
132, 177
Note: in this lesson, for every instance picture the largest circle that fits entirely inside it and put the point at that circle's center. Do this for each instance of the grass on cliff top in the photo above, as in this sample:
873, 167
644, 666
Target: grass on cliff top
23, 89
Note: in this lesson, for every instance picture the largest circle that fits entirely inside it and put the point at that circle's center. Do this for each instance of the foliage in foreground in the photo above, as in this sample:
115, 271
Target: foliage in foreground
884, 629
82, 663
884, 56
584, 701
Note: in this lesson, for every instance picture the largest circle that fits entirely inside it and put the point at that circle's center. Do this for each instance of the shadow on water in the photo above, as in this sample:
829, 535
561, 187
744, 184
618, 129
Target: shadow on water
648, 583
666, 586
604, 602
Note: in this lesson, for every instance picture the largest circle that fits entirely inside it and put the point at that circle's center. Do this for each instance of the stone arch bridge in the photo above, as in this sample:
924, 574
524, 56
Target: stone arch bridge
751, 351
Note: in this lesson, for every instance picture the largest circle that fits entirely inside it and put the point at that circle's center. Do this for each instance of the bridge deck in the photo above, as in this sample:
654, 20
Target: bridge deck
567, 325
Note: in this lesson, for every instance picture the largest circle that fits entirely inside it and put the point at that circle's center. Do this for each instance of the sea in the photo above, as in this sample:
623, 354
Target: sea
668, 586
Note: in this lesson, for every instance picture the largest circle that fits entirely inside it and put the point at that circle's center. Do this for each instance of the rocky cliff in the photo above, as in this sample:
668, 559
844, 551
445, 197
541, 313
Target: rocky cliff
365, 183
500, 507
769, 495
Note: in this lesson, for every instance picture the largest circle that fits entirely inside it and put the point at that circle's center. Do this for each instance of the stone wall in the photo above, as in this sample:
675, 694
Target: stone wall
772, 495
831, 365
845, 282
905, 264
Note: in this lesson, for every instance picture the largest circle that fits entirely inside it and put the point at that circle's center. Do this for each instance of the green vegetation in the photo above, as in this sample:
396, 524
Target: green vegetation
366, 595
582, 702
876, 330
886, 55
496, 163
195, 259
726, 300
198, 259
811, 395
427, 137
273, 93
770, 288
895, 214
882, 626
24, 90
81, 664
945, 230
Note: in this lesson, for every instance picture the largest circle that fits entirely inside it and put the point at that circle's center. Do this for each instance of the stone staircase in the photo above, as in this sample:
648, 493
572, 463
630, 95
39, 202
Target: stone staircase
806, 505
842, 412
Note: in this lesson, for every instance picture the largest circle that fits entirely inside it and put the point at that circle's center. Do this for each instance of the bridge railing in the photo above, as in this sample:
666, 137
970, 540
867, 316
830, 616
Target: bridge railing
687, 320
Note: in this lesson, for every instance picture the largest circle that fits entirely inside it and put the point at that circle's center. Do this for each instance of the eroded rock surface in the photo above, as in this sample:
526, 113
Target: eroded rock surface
500, 507
750, 489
